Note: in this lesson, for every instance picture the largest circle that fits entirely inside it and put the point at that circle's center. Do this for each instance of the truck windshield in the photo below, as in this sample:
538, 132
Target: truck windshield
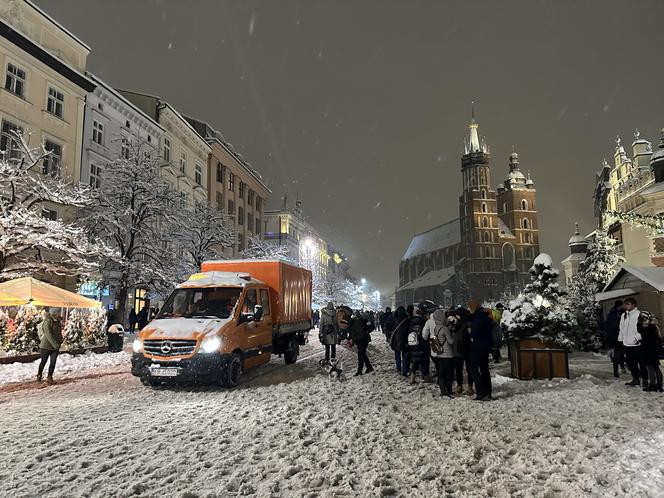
208, 302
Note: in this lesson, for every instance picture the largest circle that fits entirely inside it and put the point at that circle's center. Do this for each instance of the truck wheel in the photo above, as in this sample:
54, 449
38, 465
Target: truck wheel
290, 356
146, 381
230, 377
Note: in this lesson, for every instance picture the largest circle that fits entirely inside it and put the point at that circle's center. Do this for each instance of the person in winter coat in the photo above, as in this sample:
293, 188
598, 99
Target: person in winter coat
459, 324
143, 317
382, 319
630, 338
133, 319
360, 328
50, 340
399, 340
436, 327
329, 335
497, 331
481, 342
651, 343
416, 347
611, 330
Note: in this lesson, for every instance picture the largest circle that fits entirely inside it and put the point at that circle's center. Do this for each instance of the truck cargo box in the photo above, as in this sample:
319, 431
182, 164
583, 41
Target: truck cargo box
290, 296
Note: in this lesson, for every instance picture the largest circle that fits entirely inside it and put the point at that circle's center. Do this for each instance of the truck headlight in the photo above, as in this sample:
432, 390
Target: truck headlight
137, 345
211, 344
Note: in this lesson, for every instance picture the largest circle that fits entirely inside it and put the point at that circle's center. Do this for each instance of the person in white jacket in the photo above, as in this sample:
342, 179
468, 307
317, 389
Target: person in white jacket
631, 340
443, 358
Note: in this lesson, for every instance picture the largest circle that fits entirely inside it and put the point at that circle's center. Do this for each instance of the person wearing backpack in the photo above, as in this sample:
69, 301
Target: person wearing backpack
50, 340
329, 336
441, 342
416, 345
399, 340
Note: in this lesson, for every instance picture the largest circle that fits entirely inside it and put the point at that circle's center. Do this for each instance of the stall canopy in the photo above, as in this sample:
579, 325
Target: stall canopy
29, 290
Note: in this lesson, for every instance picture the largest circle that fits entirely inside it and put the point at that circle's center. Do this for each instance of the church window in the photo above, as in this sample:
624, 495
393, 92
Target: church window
483, 194
524, 204
484, 208
504, 207
487, 237
508, 255
525, 224
485, 222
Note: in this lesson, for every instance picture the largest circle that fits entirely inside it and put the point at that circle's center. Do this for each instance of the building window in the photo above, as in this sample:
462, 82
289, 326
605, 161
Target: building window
524, 205
483, 194
127, 124
55, 103
487, 237
504, 207
257, 227
95, 176
183, 161
250, 197
124, 148
485, 222
484, 208
525, 224
51, 163
250, 221
243, 187
231, 182
220, 201
100, 106
231, 206
9, 141
198, 175
149, 139
220, 173
98, 132
259, 204
50, 214
167, 150
240, 215
15, 80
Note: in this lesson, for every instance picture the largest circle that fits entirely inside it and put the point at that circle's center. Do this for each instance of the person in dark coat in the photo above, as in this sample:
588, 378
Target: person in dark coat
383, 319
481, 343
143, 317
133, 319
360, 329
50, 340
611, 329
651, 343
416, 347
399, 340
460, 326
410, 310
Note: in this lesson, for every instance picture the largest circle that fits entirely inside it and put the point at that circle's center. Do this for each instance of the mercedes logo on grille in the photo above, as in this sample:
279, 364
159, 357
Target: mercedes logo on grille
166, 347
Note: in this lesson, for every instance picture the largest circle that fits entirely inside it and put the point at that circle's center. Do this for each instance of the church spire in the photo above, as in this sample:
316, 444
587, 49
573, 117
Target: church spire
474, 144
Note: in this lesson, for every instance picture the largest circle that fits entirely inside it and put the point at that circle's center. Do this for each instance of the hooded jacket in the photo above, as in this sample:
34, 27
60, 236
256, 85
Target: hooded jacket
436, 327
50, 333
629, 333
399, 339
328, 325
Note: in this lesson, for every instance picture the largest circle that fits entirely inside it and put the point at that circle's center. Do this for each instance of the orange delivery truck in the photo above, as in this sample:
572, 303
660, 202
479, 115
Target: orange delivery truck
230, 317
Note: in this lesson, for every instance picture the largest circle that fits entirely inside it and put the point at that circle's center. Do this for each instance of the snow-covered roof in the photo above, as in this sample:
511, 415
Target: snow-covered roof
614, 294
503, 230
219, 279
654, 188
651, 275
440, 237
436, 277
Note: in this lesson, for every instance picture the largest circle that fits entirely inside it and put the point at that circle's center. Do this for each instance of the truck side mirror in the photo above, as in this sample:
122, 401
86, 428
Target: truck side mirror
258, 313
246, 317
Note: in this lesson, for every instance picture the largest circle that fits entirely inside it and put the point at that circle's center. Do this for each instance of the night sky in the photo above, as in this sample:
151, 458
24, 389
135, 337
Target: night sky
361, 107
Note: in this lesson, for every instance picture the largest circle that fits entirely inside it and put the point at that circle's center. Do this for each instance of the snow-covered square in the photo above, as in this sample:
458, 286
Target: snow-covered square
288, 431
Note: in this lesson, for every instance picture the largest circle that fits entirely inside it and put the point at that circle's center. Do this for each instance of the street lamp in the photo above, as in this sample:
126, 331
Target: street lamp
363, 281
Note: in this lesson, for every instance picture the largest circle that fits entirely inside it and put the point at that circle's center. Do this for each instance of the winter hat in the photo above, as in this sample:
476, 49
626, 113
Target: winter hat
646, 316
330, 305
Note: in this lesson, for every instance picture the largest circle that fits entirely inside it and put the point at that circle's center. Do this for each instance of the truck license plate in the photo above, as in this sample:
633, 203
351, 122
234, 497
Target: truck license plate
165, 372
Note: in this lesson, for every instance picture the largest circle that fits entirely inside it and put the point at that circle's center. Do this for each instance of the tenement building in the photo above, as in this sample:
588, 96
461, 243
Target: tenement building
486, 252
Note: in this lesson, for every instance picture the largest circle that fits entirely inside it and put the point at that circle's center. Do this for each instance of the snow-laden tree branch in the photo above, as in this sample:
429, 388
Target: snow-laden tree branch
266, 249
29, 242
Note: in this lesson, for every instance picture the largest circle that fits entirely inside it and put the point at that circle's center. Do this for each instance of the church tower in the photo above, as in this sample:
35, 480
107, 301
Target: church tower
479, 220
517, 209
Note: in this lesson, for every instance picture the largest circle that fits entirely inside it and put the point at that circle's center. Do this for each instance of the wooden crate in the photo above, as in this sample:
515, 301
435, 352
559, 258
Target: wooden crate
533, 358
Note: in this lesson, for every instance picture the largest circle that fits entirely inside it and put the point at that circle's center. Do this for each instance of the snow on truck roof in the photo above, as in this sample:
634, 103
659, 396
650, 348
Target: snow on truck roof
219, 279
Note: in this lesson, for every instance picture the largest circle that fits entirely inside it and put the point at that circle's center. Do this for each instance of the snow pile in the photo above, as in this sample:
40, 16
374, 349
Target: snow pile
66, 364
288, 431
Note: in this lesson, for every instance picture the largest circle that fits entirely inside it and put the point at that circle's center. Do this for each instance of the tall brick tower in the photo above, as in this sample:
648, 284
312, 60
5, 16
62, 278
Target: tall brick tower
480, 249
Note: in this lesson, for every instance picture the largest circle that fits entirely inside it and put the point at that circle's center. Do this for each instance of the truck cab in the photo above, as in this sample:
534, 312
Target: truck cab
212, 328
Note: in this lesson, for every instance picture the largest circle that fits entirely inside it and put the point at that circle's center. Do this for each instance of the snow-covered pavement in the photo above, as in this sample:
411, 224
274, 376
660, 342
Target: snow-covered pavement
288, 431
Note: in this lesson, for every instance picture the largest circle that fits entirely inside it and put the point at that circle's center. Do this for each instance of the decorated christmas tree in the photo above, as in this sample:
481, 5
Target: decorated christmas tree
542, 310
594, 273
73, 331
26, 337
95, 327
